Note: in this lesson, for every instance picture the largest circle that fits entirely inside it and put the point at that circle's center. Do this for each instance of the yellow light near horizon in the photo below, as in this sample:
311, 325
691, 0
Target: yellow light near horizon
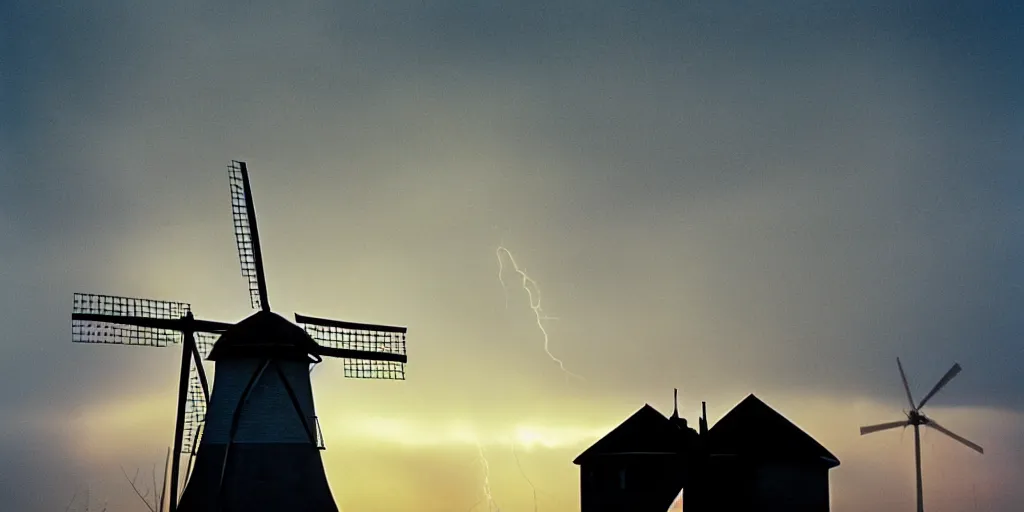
409, 432
532, 436
370, 454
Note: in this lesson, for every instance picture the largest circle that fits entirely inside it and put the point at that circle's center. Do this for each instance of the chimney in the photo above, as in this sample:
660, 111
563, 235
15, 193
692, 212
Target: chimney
703, 418
675, 403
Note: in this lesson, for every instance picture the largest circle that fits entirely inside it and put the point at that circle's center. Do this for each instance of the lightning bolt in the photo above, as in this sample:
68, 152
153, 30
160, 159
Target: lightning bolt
533, 292
523, 472
492, 506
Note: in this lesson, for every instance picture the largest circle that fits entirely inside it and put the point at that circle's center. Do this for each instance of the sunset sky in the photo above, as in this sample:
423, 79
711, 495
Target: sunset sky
724, 197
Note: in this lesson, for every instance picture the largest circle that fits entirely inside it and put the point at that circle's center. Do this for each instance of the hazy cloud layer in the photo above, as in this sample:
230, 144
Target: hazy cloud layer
722, 198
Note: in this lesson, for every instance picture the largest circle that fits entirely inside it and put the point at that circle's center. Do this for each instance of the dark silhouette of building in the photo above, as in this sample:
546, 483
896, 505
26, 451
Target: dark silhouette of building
638, 466
753, 459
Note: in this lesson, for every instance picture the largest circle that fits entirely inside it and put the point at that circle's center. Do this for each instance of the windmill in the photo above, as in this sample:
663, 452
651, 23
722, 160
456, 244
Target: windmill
261, 442
260, 438
917, 419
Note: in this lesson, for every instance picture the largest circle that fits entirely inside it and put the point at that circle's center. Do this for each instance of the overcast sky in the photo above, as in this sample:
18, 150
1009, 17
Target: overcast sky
724, 197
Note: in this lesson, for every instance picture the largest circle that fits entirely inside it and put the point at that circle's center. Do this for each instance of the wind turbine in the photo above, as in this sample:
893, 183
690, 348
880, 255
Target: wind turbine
917, 419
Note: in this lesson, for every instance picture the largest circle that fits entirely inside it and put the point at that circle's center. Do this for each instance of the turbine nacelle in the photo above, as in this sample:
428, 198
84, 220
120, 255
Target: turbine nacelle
916, 417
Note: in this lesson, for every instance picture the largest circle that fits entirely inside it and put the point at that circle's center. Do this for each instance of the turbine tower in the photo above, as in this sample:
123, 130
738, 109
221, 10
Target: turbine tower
917, 419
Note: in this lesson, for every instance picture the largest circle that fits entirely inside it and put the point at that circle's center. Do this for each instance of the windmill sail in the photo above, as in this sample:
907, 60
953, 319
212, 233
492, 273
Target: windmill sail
247, 235
382, 370
204, 343
195, 413
198, 397
125, 320
368, 351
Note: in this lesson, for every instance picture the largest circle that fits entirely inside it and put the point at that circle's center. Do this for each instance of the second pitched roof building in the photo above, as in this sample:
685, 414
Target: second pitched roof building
753, 459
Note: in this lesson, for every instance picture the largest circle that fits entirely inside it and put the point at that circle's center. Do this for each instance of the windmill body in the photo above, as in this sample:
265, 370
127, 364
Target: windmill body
260, 448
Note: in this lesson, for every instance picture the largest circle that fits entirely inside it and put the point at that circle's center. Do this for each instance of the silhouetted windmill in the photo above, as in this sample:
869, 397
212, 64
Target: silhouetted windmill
261, 440
917, 419
260, 415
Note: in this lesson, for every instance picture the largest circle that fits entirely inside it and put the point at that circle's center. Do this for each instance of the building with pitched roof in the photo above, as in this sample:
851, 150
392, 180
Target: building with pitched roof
640, 465
753, 459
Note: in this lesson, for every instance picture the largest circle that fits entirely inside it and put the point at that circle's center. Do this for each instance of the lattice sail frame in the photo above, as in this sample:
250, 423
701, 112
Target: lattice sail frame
243, 232
111, 332
195, 413
204, 342
195, 401
381, 340
364, 369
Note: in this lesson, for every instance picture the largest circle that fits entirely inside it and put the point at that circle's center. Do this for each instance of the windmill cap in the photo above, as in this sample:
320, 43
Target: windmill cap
264, 335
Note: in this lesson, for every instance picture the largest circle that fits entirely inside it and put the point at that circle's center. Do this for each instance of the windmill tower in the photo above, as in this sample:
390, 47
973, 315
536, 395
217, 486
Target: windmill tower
917, 419
261, 442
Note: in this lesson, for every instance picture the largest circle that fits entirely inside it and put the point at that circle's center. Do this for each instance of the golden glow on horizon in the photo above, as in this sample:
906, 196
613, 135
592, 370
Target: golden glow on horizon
411, 432
410, 453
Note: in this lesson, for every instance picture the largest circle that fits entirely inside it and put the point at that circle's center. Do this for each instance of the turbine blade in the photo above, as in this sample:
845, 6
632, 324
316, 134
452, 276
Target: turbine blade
942, 382
906, 387
883, 426
944, 430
